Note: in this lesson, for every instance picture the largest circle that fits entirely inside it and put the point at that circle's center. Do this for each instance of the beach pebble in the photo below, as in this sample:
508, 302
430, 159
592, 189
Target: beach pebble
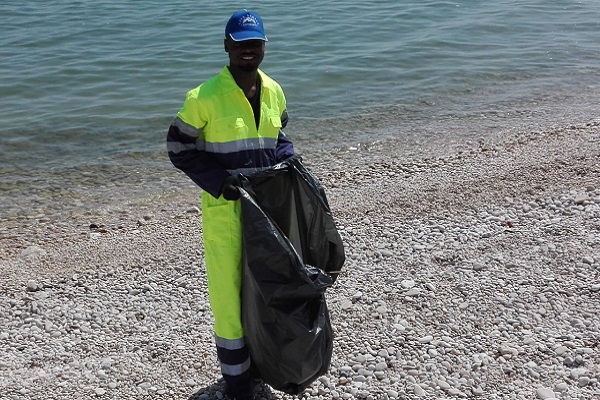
418, 391
545, 393
32, 285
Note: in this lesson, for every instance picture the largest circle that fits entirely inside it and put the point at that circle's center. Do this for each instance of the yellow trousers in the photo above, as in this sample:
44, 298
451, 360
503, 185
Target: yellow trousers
222, 233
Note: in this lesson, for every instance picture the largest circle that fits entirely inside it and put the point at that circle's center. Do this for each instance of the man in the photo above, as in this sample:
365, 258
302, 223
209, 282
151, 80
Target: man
228, 125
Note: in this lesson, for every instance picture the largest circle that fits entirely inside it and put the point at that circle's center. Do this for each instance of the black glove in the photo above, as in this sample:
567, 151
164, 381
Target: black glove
231, 188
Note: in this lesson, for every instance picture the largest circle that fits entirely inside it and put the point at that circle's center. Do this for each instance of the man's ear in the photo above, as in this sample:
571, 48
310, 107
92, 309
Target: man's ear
225, 46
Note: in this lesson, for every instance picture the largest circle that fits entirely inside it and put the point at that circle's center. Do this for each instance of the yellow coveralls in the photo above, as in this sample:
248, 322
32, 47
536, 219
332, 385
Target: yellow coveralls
213, 136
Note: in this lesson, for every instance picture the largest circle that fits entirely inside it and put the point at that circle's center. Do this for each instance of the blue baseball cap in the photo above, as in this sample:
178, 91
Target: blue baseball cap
245, 25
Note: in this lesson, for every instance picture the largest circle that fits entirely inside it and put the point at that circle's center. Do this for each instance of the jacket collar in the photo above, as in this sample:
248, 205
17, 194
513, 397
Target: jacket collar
228, 83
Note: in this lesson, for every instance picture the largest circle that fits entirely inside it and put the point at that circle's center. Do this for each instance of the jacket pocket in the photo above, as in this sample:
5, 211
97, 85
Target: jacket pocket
227, 130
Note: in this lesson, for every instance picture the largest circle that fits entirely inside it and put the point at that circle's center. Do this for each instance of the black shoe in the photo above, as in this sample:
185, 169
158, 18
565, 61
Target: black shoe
239, 396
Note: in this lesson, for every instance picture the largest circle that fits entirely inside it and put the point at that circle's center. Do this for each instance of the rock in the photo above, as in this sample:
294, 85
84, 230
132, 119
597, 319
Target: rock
545, 393
392, 394
357, 296
414, 292
382, 366
584, 381
408, 283
347, 305
581, 198
418, 391
561, 387
32, 286
426, 339
560, 350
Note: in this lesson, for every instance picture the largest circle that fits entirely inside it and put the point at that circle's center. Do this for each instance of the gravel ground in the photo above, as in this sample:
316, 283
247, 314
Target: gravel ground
473, 271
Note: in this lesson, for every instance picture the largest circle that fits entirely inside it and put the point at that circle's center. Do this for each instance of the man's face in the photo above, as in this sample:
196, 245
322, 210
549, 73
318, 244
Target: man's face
245, 55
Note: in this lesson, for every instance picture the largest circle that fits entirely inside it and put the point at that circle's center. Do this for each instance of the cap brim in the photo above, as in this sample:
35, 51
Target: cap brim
248, 35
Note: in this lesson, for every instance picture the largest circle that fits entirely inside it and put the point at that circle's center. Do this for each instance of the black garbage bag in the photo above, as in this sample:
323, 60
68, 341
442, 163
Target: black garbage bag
292, 253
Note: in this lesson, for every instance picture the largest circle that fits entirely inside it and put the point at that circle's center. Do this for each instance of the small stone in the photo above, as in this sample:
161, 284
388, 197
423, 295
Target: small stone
584, 381
392, 394
408, 284
100, 391
32, 286
414, 292
508, 350
560, 350
382, 366
426, 339
381, 310
356, 296
561, 387
545, 393
443, 385
418, 391
581, 198
101, 374
477, 391
346, 305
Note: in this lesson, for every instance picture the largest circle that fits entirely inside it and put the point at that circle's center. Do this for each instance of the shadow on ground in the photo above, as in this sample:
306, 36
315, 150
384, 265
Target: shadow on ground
217, 391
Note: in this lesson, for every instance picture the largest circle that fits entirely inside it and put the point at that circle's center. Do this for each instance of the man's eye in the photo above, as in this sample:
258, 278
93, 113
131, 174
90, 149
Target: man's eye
250, 44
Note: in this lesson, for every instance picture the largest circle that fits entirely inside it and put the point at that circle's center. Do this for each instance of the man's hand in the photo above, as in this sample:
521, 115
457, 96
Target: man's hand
231, 188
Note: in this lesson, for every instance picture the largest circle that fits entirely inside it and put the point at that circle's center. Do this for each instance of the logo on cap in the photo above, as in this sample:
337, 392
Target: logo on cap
248, 19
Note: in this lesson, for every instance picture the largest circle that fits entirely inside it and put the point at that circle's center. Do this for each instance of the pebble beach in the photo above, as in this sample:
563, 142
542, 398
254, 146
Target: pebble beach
472, 271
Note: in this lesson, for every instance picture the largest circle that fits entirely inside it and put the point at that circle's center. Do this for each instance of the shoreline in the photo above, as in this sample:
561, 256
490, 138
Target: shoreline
473, 270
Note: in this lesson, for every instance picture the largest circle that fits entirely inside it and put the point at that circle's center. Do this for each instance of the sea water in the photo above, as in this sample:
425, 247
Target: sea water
89, 88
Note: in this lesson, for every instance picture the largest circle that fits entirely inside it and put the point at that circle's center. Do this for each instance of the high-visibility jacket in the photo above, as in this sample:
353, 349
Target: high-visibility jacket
213, 136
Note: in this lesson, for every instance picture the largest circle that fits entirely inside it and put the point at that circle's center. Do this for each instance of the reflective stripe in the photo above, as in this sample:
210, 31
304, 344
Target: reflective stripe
246, 171
235, 370
241, 145
230, 344
185, 128
178, 147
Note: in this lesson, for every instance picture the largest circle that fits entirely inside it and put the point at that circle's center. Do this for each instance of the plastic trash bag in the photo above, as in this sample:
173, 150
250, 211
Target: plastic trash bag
292, 253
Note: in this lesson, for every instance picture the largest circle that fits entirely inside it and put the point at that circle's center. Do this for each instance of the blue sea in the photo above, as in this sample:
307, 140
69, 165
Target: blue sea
89, 88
